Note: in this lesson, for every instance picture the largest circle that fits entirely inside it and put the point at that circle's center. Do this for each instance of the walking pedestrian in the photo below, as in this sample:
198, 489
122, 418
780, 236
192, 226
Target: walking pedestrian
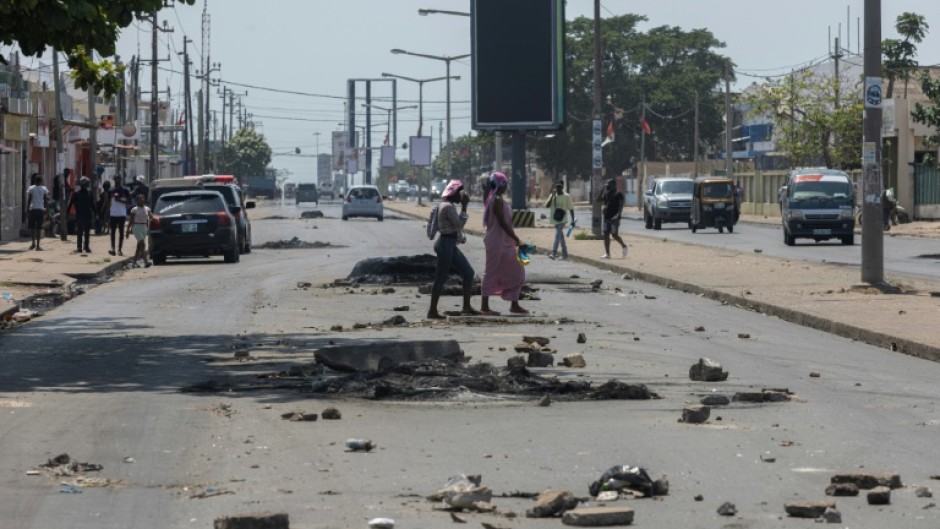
37, 198
141, 188
118, 201
84, 203
613, 210
102, 212
504, 274
139, 222
560, 206
450, 225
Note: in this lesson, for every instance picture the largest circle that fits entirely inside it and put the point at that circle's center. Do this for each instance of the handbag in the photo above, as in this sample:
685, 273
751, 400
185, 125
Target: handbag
559, 214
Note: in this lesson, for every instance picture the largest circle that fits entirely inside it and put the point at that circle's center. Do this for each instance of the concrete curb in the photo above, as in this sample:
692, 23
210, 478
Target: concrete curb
845, 330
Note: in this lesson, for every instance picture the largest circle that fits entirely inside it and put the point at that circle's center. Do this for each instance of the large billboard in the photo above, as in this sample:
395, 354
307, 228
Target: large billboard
518, 64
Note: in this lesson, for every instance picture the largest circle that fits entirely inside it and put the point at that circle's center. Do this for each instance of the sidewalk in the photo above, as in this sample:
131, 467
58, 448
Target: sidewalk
26, 275
826, 297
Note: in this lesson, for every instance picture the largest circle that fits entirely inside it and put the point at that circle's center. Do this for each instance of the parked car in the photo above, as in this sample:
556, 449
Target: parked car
225, 184
668, 199
818, 204
307, 193
363, 201
189, 223
326, 190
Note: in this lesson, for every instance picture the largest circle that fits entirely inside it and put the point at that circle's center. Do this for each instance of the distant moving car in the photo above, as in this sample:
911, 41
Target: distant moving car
667, 200
307, 193
401, 189
363, 201
225, 184
191, 223
326, 189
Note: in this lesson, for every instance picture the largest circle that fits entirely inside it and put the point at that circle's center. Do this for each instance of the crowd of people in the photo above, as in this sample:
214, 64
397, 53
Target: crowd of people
106, 210
504, 270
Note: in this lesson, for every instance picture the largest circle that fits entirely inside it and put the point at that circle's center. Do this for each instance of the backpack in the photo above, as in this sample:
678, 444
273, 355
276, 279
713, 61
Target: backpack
431, 226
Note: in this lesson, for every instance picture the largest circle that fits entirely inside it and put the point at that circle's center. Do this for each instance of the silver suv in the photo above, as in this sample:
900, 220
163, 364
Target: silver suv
668, 199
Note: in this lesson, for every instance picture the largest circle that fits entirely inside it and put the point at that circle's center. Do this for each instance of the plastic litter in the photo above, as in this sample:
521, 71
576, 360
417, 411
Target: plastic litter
524, 251
382, 523
571, 228
623, 477
356, 444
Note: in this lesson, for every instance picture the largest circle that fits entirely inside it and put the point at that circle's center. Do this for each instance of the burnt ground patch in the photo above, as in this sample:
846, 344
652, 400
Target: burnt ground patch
295, 244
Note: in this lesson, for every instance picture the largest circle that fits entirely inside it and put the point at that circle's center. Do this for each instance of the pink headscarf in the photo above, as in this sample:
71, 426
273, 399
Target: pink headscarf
497, 181
452, 188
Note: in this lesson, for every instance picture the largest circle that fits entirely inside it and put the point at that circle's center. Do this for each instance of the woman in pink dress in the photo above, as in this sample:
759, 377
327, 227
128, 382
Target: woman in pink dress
504, 274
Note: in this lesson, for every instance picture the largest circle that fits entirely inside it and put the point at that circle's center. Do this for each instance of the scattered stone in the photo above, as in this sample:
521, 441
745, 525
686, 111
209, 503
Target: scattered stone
758, 250
360, 326
582, 338
832, 515
516, 361
661, 487
814, 374
402, 308
129, 460
808, 508
598, 516
331, 414
695, 414
552, 503
923, 492
456, 519
263, 520
707, 370
608, 495
700, 328
540, 359
626, 277
388, 290
367, 356
768, 458
304, 284
775, 396
930, 505
545, 401
540, 340
698, 497
357, 444
716, 399
337, 328
869, 480
525, 347
596, 284
880, 495
842, 489
312, 214
649, 297
574, 360
727, 509
299, 416
395, 321
744, 336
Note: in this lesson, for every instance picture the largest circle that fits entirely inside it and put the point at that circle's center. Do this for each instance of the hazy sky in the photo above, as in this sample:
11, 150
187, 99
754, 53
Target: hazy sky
314, 46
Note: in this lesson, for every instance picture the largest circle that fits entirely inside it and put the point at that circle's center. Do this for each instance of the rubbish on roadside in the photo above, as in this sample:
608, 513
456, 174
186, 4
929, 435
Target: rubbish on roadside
608, 495
331, 414
68, 489
516, 361
727, 509
463, 491
299, 416
211, 493
623, 477
766, 457
357, 444
382, 523
63, 465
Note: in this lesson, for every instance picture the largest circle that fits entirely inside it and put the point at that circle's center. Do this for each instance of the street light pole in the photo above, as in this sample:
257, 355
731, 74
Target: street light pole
447, 60
872, 185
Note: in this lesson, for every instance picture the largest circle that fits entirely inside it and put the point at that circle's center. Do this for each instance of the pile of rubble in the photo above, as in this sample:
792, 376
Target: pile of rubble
294, 244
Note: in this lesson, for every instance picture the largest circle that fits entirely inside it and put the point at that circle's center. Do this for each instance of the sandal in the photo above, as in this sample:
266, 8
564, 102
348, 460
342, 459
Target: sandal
488, 313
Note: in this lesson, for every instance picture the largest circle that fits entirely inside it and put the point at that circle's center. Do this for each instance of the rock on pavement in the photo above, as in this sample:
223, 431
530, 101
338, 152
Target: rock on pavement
598, 516
879, 496
869, 480
263, 520
707, 370
574, 360
551, 503
808, 508
695, 413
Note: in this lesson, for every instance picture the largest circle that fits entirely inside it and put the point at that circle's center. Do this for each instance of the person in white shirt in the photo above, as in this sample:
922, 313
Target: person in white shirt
139, 221
37, 198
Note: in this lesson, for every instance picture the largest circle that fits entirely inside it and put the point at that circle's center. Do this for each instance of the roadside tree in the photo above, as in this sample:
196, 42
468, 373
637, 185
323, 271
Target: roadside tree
247, 154
77, 28
899, 54
929, 114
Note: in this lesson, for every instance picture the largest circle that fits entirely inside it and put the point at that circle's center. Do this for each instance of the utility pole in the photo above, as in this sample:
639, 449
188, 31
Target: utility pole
597, 167
729, 162
92, 134
837, 86
695, 140
641, 177
60, 156
223, 95
155, 99
872, 186
203, 133
188, 112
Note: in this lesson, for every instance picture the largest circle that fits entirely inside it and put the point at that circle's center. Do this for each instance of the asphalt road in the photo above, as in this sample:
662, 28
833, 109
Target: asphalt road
100, 378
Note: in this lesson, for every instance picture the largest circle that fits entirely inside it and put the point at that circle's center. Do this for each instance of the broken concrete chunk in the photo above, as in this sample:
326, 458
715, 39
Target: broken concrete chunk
699, 328
923, 492
832, 516
695, 413
540, 359
331, 414
552, 503
707, 370
716, 399
598, 516
367, 356
744, 336
525, 347
808, 508
880, 495
842, 489
574, 360
540, 340
727, 509
869, 480
516, 361
263, 520
582, 338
